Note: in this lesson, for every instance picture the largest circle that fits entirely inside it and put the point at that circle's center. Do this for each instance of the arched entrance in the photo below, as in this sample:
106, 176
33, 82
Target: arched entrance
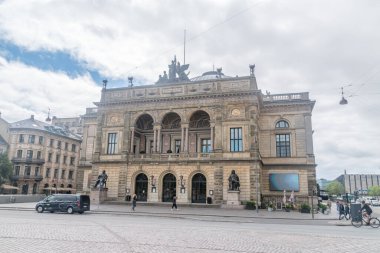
169, 187
141, 189
198, 188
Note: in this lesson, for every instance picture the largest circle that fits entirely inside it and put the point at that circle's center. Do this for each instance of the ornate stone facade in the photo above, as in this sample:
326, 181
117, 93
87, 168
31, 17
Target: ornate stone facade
185, 138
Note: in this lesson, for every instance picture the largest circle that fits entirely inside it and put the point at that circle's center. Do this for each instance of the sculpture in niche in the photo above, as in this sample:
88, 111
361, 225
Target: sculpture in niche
233, 182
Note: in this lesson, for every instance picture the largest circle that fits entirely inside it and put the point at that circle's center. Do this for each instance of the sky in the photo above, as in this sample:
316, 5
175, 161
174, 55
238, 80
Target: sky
55, 54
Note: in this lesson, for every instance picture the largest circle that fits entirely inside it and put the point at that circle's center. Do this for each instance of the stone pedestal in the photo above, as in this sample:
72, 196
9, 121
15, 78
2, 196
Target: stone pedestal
233, 199
153, 195
98, 196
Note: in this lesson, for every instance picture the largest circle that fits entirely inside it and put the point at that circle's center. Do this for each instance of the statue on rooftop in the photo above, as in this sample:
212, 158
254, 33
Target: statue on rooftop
176, 73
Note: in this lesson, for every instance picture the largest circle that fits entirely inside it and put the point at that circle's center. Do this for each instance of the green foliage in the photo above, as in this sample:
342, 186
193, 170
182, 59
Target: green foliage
335, 188
250, 205
323, 207
5, 168
374, 191
305, 208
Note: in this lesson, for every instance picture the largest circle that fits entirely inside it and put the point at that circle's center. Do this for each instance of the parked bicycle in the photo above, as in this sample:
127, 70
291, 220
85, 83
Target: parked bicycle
357, 221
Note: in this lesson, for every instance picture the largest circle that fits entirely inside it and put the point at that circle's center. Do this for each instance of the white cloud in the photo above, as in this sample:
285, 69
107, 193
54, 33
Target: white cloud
26, 90
297, 46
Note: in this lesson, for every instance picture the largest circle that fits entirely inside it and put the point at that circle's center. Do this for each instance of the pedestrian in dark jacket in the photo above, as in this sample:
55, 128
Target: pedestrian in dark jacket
134, 199
174, 203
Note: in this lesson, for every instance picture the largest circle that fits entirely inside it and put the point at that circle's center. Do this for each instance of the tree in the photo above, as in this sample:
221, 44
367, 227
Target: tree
374, 191
5, 168
335, 188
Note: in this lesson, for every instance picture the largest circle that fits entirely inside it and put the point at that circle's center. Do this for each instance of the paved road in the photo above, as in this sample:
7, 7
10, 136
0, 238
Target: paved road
28, 231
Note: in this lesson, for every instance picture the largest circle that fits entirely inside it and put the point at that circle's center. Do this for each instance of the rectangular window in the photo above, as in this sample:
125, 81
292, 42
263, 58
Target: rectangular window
31, 139
29, 154
73, 148
112, 141
51, 142
19, 153
63, 174
72, 160
47, 174
57, 157
71, 173
40, 140
50, 157
21, 138
205, 145
38, 154
66, 146
27, 170
283, 145
236, 139
59, 144
64, 159
55, 173
177, 148
36, 171
17, 170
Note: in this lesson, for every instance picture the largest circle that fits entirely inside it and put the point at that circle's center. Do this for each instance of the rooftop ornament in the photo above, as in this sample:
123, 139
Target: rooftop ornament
176, 73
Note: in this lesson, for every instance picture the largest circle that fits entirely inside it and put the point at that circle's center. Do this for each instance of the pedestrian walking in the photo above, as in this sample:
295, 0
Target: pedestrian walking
174, 203
134, 199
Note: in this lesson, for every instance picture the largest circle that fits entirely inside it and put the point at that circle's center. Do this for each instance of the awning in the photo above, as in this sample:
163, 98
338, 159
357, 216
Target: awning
8, 187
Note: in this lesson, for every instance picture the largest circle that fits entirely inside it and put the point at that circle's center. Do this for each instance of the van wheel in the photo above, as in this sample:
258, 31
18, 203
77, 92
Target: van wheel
40, 209
70, 210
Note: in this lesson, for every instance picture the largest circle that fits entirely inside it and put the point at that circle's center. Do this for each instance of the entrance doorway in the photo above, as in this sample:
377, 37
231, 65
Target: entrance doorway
141, 189
198, 188
169, 187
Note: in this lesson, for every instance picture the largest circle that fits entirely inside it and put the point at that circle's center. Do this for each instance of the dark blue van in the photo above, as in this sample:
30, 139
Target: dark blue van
69, 203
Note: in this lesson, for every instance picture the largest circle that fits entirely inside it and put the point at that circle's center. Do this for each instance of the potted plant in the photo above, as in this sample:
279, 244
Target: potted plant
250, 205
305, 208
270, 207
288, 207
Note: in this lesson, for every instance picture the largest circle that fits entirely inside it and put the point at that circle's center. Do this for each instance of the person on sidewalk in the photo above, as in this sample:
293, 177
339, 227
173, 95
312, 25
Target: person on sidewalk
174, 203
134, 200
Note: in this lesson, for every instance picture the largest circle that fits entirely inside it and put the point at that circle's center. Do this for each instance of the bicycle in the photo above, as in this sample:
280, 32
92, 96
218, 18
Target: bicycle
358, 221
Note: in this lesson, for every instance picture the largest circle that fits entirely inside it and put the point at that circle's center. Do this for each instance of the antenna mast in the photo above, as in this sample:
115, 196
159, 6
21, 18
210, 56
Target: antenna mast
184, 47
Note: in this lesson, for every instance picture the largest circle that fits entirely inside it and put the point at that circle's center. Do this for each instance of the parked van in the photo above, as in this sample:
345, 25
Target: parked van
69, 203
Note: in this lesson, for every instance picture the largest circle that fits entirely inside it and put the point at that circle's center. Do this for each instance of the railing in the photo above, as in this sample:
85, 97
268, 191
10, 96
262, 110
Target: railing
28, 160
26, 177
286, 97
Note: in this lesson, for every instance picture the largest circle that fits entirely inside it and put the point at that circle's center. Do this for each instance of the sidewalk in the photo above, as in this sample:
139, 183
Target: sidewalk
187, 211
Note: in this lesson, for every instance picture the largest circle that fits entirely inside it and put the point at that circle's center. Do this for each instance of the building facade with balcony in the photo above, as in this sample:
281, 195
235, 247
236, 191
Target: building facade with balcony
44, 157
184, 137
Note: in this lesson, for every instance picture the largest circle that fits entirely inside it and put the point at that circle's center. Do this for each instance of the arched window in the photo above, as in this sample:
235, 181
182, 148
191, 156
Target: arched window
282, 124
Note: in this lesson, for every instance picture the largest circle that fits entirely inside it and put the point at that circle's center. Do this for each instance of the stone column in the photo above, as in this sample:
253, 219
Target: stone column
186, 144
212, 137
132, 138
154, 140
159, 139
182, 138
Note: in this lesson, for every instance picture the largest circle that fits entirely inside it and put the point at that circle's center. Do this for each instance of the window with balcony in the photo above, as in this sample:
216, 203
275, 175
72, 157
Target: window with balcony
236, 140
71, 173
55, 173
47, 173
72, 160
19, 153
38, 154
17, 171
32, 139
28, 169
63, 174
50, 156
21, 138
283, 145
73, 148
205, 145
177, 147
36, 171
29, 154
112, 141
40, 140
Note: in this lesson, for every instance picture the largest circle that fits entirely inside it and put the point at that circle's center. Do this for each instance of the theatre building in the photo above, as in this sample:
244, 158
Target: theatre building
184, 137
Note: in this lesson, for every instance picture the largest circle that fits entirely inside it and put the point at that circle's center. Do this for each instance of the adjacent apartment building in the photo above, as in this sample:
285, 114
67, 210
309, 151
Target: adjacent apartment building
45, 157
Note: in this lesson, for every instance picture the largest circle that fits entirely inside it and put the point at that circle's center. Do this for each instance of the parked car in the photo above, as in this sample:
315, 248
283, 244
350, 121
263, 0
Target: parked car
69, 203
375, 202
